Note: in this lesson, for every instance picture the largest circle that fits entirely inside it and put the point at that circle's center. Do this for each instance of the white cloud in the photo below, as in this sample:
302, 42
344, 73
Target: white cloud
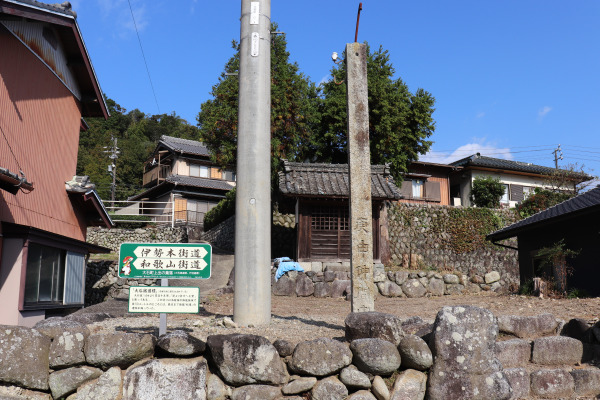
466, 150
480, 115
543, 111
193, 6
324, 79
119, 13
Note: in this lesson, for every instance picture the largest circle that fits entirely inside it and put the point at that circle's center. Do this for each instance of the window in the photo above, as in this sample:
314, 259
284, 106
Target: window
504, 198
229, 176
417, 188
199, 171
527, 191
53, 276
45, 275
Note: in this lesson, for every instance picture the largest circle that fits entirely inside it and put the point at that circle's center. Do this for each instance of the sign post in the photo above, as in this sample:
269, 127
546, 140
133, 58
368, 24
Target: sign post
163, 261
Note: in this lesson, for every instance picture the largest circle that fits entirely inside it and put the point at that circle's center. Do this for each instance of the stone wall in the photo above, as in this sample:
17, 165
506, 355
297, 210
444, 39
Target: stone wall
444, 238
283, 235
102, 283
112, 238
222, 236
459, 356
332, 279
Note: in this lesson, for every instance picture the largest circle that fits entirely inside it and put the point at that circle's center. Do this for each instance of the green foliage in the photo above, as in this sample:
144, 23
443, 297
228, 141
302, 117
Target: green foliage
137, 134
294, 112
309, 123
555, 258
222, 211
540, 200
400, 122
137, 220
526, 289
464, 229
487, 192
575, 293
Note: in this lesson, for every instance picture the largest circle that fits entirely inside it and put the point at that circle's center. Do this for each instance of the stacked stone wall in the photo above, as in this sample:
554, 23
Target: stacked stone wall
102, 283
332, 279
444, 238
460, 355
113, 238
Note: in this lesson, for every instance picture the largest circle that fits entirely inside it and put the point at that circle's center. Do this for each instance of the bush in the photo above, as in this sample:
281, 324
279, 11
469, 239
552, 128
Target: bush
540, 200
487, 192
136, 220
222, 211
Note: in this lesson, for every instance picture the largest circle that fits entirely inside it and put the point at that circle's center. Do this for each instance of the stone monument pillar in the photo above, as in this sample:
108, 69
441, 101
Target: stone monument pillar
359, 171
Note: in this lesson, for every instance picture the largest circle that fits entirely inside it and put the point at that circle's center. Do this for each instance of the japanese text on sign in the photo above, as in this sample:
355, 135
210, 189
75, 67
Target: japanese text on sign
164, 299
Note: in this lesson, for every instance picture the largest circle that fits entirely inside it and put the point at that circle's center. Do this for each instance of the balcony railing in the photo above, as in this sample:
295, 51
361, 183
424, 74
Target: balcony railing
156, 175
143, 212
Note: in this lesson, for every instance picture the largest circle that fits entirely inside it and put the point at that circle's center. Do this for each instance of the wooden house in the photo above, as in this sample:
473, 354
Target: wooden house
47, 84
576, 223
427, 183
320, 196
180, 172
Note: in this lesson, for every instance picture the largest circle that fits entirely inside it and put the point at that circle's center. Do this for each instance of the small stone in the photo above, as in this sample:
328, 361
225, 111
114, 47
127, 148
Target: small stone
353, 378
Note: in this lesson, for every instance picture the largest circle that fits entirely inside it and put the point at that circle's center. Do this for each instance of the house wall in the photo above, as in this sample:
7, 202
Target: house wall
181, 167
466, 179
11, 276
41, 121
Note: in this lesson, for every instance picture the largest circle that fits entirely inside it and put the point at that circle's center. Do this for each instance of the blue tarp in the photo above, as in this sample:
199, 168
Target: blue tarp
286, 264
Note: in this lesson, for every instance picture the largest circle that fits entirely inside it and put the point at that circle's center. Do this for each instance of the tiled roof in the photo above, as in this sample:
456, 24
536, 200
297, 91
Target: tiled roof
583, 203
331, 180
184, 145
477, 160
199, 182
62, 8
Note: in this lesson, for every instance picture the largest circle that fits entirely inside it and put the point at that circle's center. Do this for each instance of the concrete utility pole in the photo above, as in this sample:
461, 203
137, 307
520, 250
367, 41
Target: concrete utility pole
252, 298
113, 153
359, 170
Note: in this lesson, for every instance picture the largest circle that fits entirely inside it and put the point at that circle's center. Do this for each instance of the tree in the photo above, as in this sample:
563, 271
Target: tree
399, 122
540, 200
294, 109
136, 135
570, 179
487, 192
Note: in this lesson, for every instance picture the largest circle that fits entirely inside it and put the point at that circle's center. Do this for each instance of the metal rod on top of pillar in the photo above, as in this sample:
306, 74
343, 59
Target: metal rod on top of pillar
359, 171
252, 296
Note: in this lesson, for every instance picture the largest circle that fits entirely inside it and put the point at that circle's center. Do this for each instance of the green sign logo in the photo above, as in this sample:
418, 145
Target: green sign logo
164, 260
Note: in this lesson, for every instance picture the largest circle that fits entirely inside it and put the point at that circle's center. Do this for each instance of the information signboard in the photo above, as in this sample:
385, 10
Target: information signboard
163, 260
164, 299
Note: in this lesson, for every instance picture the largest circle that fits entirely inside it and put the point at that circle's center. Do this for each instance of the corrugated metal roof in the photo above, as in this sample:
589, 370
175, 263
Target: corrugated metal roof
580, 204
331, 180
184, 145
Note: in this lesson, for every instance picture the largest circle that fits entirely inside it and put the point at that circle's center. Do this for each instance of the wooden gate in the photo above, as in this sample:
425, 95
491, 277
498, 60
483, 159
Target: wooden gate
329, 232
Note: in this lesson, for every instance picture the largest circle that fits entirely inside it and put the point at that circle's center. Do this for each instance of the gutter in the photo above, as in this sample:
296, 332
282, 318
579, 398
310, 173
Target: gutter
505, 246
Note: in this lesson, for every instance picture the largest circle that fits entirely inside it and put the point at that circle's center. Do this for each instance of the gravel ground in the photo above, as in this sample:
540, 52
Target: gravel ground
302, 318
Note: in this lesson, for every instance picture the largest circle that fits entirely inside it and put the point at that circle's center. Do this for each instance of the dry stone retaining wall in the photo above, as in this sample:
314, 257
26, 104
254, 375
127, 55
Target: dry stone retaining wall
458, 356
332, 279
112, 238
445, 238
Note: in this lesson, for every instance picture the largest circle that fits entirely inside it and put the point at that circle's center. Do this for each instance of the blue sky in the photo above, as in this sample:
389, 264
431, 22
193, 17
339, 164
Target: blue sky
512, 78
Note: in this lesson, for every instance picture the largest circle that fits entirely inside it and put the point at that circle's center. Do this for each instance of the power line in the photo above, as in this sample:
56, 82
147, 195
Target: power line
143, 55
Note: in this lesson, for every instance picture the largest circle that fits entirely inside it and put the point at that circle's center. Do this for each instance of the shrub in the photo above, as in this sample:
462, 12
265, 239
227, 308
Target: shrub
540, 200
222, 211
136, 220
487, 192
